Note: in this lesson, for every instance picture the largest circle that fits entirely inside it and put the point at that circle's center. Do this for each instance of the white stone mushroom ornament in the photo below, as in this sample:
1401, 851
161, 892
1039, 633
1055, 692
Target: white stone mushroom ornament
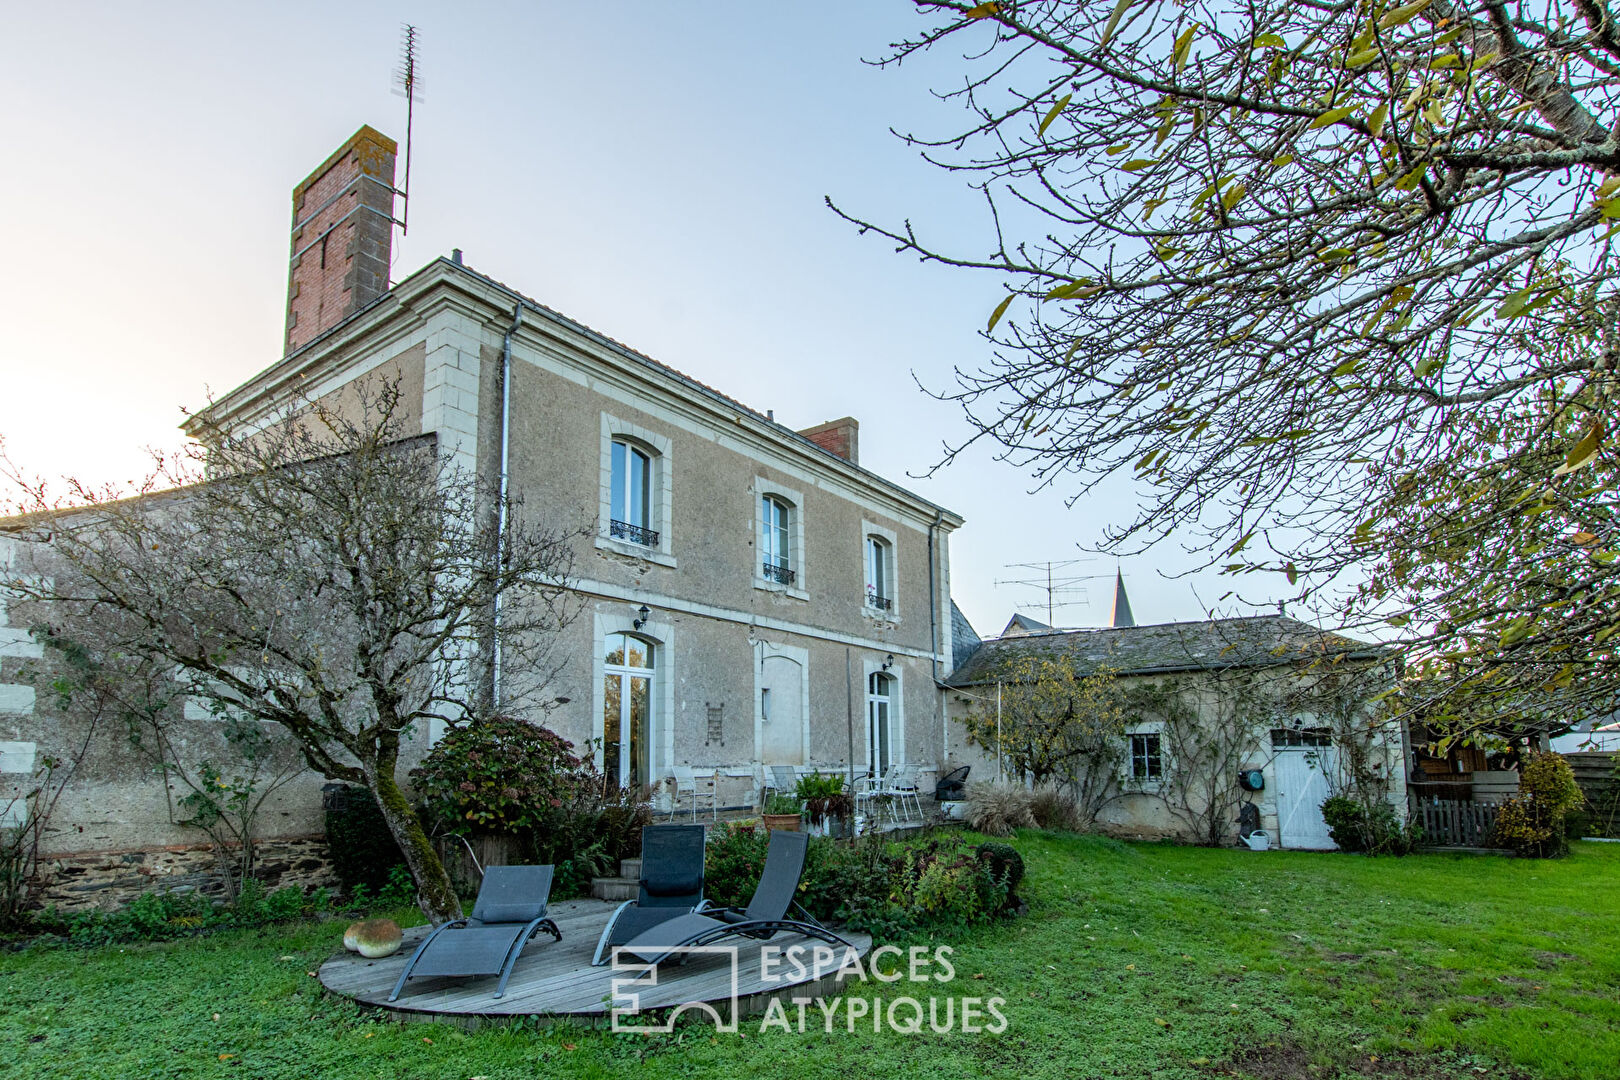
373, 938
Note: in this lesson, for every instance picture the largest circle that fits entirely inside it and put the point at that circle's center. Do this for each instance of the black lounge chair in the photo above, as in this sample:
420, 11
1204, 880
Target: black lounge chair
952, 787
765, 915
510, 909
671, 885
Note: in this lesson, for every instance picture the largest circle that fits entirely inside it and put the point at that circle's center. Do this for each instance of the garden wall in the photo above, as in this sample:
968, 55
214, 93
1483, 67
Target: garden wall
109, 879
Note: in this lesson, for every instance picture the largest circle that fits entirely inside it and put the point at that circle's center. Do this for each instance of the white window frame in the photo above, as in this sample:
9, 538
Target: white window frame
1128, 766
869, 530
661, 469
797, 562
897, 712
661, 734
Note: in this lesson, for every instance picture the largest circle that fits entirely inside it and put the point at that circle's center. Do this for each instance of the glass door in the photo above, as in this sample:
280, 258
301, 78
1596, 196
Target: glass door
626, 712
877, 722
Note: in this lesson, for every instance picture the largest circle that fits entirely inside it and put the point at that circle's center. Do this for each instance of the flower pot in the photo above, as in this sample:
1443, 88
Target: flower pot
783, 822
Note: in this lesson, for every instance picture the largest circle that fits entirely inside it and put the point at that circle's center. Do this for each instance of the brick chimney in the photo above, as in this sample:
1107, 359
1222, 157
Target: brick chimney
841, 437
342, 236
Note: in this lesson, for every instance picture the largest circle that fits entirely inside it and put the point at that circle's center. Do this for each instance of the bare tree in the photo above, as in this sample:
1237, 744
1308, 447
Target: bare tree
324, 573
1284, 260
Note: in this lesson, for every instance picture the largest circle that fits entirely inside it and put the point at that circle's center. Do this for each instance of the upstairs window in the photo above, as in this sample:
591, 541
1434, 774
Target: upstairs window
1147, 757
776, 555
879, 574
630, 498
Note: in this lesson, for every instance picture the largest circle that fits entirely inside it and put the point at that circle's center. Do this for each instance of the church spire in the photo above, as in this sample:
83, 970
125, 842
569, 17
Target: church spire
1122, 603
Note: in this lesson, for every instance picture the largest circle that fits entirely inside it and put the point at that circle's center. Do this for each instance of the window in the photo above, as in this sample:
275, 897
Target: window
1284, 738
635, 503
627, 674
879, 717
1147, 757
776, 554
630, 497
879, 574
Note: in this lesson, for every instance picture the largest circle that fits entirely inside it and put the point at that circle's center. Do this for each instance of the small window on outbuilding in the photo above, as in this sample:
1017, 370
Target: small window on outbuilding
1147, 757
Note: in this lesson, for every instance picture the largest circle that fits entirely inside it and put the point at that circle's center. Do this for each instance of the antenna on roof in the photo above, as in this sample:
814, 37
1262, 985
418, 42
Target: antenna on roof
407, 84
1052, 582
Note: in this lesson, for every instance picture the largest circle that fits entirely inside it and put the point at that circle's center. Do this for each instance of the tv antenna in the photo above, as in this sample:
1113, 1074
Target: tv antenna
1052, 579
407, 84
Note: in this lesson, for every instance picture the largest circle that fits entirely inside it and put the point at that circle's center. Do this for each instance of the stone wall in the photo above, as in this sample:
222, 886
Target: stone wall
107, 880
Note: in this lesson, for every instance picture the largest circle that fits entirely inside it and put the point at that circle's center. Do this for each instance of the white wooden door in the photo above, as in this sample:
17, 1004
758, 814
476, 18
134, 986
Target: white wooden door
1302, 786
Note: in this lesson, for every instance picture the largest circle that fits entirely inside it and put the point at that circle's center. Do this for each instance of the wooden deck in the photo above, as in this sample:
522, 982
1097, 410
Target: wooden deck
555, 979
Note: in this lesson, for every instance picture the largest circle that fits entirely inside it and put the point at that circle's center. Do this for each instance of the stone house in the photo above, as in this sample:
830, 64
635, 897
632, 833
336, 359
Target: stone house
1204, 702
752, 595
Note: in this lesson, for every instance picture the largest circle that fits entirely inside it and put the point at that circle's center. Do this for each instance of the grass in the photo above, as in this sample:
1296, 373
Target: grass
1134, 961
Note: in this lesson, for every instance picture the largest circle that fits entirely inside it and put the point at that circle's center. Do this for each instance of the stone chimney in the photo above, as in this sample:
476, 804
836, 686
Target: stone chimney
342, 236
841, 437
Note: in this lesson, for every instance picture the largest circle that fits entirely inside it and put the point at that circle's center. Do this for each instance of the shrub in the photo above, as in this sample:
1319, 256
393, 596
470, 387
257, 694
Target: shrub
1054, 809
1005, 864
358, 841
998, 809
513, 778
1377, 830
889, 888
1535, 823
500, 775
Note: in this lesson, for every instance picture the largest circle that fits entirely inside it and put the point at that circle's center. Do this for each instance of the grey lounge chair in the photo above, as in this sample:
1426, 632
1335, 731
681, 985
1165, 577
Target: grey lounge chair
765, 915
510, 909
671, 885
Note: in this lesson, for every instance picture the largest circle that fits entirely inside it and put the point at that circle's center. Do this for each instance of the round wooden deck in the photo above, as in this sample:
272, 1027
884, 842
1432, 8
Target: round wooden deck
556, 979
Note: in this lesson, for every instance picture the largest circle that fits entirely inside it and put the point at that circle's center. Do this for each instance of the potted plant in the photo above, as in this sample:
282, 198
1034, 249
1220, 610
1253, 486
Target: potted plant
828, 806
782, 812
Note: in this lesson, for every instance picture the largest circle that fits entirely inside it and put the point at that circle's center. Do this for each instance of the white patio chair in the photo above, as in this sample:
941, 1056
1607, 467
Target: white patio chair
901, 785
696, 786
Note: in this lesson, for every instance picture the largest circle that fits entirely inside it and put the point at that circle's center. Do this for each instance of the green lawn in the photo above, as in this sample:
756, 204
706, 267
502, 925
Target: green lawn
1137, 961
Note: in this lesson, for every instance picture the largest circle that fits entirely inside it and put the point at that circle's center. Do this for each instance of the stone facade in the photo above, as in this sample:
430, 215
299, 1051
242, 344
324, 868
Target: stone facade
1261, 666
105, 880
761, 645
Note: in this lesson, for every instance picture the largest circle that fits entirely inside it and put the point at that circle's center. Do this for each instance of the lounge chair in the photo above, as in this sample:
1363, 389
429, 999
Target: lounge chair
671, 885
765, 915
510, 909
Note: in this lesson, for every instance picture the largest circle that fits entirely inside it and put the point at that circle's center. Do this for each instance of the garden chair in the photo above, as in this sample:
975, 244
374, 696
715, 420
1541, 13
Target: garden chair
952, 787
671, 885
870, 798
900, 786
783, 779
766, 914
698, 787
510, 909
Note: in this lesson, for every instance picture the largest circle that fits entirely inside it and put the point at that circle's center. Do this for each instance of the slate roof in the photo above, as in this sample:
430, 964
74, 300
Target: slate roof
964, 639
1258, 641
1022, 624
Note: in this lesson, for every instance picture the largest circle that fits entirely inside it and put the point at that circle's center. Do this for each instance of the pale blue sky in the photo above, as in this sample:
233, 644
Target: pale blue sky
653, 169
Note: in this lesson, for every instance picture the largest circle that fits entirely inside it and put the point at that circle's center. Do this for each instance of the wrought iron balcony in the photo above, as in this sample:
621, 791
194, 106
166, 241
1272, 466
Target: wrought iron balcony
881, 603
623, 530
779, 574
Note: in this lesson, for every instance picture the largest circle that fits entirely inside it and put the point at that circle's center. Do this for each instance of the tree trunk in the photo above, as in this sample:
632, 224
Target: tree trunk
434, 893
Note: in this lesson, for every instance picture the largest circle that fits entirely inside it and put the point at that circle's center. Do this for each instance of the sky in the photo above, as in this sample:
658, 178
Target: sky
654, 170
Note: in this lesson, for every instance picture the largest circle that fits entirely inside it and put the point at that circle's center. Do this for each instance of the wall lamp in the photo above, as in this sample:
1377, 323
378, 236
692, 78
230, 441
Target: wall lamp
641, 619
888, 663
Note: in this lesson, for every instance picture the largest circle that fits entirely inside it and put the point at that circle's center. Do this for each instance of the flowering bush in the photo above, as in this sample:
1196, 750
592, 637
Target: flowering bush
500, 775
1535, 821
513, 778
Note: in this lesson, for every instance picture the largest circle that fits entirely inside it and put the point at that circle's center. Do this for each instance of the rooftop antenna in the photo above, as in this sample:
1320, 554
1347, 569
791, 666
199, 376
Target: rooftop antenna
1051, 580
407, 83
